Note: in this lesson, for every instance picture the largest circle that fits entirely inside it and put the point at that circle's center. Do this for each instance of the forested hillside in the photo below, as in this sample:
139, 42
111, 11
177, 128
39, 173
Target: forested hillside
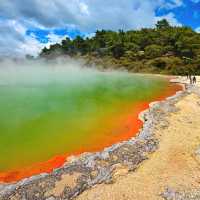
163, 49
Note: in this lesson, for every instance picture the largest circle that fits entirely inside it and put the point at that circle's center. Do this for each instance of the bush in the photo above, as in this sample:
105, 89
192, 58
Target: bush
153, 51
159, 63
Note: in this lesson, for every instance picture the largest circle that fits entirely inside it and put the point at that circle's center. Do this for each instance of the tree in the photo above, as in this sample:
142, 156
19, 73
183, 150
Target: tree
163, 24
161, 46
100, 39
118, 50
66, 44
44, 52
153, 51
159, 63
80, 45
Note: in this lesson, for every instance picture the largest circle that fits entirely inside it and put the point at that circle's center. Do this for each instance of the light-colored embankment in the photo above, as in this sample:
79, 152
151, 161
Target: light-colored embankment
173, 170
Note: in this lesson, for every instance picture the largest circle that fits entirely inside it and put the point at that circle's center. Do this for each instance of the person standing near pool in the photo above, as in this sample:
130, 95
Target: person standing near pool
194, 80
190, 77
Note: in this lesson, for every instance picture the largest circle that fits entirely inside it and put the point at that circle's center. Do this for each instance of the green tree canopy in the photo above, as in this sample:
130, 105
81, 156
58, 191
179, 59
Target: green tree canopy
137, 49
163, 24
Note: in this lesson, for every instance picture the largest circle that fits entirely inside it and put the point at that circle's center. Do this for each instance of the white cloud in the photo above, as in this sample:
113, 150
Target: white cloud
197, 29
15, 42
195, 1
30, 46
85, 15
172, 4
170, 17
84, 8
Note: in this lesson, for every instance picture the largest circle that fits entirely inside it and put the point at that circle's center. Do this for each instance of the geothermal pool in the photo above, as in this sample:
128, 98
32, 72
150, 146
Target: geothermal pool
48, 115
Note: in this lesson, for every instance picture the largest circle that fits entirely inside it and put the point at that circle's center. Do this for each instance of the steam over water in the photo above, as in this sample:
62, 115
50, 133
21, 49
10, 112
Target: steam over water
55, 109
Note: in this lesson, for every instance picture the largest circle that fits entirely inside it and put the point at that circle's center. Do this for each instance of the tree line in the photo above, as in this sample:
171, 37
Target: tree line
163, 49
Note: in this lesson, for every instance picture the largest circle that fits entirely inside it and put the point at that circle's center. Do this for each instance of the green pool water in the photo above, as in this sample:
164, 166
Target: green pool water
47, 112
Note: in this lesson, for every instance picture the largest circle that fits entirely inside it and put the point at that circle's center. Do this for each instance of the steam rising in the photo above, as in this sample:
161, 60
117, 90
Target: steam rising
43, 72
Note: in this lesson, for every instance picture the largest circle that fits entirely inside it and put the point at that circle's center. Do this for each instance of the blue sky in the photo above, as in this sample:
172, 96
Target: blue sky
27, 26
42, 34
188, 14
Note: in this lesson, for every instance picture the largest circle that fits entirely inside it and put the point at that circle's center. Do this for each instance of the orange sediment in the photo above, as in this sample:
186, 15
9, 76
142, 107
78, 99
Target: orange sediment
128, 127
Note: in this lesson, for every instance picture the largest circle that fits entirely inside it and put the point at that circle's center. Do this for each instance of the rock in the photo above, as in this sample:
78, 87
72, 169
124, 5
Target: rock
171, 194
50, 198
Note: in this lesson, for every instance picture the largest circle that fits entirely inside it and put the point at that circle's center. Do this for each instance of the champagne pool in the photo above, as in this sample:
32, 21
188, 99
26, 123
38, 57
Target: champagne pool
48, 114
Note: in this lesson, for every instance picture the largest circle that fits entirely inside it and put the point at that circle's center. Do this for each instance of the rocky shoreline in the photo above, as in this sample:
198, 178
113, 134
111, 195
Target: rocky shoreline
90, 169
